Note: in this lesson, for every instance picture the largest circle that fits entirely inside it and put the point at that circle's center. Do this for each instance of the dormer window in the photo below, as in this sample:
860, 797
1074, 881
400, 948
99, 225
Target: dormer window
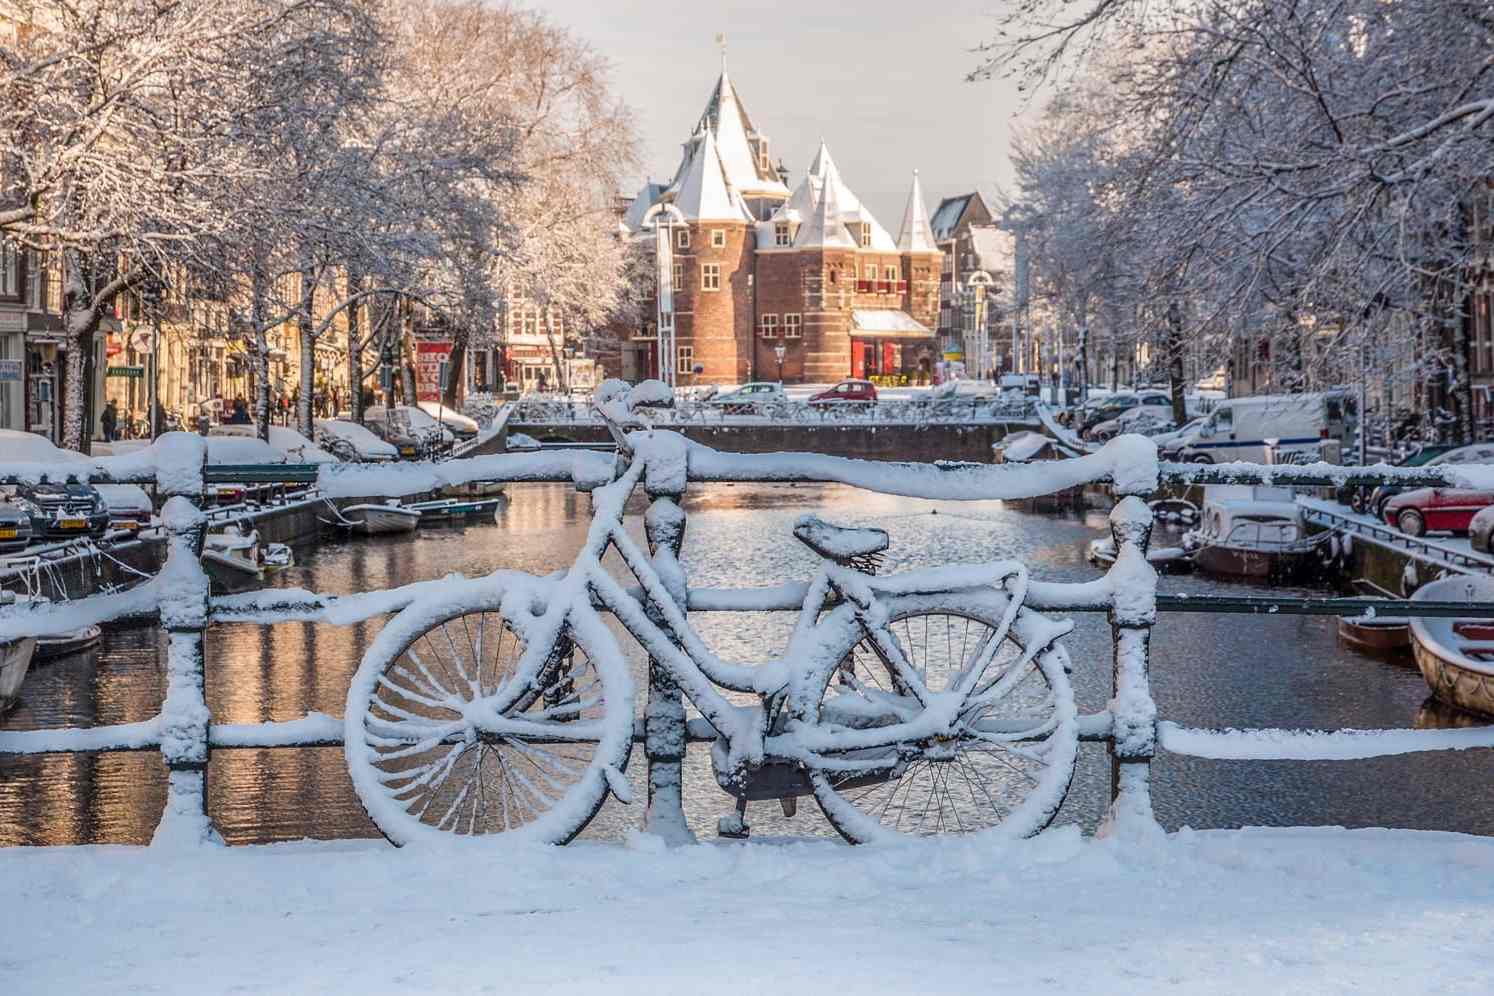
762, 157
865, 238
781, 233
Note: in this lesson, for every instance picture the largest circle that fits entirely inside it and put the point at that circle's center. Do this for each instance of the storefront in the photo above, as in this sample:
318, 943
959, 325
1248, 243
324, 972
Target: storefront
12, 369
891, 345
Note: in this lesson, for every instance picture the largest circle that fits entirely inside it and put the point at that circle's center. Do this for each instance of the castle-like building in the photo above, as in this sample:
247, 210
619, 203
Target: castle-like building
772, 284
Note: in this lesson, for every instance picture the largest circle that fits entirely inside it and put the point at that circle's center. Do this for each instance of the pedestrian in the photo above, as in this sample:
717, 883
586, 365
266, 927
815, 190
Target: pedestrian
240, 414
109, 421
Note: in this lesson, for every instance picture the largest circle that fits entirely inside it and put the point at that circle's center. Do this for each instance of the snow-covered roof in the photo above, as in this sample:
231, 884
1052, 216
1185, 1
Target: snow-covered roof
648, 196
915, 234
823, 228
744, 173
701, 193
950, 210
834, 207
887, 321
993, 250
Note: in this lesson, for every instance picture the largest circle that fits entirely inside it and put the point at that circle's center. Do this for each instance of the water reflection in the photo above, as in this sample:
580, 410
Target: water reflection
1207, 670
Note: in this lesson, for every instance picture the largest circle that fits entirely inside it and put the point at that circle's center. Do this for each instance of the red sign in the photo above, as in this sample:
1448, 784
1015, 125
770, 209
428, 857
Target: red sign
113, 346
432, 357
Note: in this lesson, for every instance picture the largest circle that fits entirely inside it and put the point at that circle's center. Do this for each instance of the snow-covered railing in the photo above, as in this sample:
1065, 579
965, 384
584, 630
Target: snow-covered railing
178, 597
716, 412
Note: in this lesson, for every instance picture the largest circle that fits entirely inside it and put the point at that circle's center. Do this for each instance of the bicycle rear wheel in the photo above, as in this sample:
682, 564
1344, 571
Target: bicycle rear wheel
1008, 768
426, 770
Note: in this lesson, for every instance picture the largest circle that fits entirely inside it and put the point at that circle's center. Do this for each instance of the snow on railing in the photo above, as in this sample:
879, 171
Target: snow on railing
178, 596
720, 411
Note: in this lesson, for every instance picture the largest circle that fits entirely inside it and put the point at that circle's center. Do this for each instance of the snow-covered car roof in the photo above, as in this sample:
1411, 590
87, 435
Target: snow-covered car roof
228, 449
125, 498
363, 442
418, 420
28, 446
450, 416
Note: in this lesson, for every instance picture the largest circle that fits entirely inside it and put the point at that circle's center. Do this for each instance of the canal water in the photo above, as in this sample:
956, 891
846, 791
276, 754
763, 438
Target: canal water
1280, 671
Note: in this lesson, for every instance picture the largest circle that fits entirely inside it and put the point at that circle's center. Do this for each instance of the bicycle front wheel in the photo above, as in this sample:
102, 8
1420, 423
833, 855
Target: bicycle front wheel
425, 767
1008, 767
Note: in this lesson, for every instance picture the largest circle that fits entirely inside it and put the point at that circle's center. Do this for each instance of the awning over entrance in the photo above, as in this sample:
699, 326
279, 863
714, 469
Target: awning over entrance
887, 324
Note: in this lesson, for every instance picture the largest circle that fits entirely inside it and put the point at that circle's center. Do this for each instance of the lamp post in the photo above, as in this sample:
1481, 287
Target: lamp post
979, 337
662, 219
780, 351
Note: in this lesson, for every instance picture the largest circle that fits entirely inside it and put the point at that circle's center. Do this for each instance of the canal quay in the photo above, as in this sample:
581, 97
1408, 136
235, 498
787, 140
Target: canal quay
1207, 670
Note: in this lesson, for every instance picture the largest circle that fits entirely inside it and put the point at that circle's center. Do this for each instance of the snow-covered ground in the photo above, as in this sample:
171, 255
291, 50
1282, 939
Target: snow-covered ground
1254, 911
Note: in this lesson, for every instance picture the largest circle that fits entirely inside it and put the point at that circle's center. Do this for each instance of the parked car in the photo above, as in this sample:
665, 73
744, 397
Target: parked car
352, 442
404, 443
429, 436
1238, 429
1427, 456
129, 506
15, 526
459, 425
1424, 510
858, 392
61, 510
1118, 404
749, 398
1481, 529
1146, 419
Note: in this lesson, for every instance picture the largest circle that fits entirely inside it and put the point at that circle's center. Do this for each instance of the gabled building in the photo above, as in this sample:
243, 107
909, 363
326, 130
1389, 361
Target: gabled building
802, 286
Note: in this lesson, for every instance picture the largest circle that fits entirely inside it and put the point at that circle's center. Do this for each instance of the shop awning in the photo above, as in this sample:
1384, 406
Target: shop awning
887, 324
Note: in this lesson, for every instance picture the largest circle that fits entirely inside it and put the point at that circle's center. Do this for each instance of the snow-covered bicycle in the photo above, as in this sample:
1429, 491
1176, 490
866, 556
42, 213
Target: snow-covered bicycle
923, 702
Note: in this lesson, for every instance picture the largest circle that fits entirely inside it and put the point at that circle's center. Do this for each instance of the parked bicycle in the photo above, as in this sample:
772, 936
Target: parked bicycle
928, 701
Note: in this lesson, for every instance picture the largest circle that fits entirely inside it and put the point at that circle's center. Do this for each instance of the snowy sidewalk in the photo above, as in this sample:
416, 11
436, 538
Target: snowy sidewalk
1258, 911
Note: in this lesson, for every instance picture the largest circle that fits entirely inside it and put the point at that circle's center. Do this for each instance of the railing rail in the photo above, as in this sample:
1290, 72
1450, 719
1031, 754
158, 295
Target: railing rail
178, 597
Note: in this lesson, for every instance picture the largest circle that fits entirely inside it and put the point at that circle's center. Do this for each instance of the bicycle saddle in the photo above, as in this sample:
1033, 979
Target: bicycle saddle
839, 543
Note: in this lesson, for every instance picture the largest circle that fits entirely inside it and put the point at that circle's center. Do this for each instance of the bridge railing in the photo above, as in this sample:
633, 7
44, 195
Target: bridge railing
746, 412
186, 735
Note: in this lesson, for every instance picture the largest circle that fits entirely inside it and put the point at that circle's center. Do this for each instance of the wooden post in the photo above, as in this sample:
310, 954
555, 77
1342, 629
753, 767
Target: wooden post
184, 715
664, 738
1133, 611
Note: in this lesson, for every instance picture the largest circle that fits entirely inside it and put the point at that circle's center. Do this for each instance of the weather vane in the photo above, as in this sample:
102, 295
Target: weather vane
721, 41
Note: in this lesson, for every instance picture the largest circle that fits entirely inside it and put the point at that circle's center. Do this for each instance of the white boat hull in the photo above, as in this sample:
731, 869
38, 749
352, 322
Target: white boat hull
374, 520
15, 661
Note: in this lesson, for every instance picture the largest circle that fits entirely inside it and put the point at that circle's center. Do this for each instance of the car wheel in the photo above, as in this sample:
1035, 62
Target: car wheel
1411, 522
1200, 458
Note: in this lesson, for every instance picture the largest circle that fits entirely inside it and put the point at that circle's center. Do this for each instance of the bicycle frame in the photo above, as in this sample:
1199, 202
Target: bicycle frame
662, 628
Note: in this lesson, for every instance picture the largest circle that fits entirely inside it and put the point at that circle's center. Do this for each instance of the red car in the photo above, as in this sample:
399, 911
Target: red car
1424, 509
858, 391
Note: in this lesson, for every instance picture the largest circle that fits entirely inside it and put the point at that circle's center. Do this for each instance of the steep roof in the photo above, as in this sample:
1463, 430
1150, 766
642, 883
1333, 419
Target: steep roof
727, 118
916, 235
952, 210
701, 193
823, 228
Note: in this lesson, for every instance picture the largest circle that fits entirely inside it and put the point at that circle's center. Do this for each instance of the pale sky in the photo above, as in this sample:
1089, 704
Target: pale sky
882, 81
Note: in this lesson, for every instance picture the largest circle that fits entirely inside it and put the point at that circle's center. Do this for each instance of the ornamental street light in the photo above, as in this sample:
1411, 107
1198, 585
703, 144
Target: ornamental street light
978, 337
780, 351
662, 219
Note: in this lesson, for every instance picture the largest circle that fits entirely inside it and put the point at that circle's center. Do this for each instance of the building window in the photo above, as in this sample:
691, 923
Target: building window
718, 238
10, 272
865, 234
682, 238
770, 326
686, 359
781, 233
530, 322
710, 277
677, 273
889, 273
792, 326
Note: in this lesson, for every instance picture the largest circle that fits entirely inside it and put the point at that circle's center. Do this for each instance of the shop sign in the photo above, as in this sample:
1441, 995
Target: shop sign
131, 372
10, 371
431, 358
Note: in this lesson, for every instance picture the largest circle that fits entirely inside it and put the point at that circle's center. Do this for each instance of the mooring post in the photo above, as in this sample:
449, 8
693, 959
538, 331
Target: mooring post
1133, 611
184, 714
664, 738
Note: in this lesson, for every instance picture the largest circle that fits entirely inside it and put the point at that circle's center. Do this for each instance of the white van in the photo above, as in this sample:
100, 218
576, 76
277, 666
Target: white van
1243, 428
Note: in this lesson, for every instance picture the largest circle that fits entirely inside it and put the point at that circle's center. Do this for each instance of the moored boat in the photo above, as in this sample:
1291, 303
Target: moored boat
15, 661
231, 560
1375, 634
377, 520
79, 640
1456, 655
1166, 559
1258, 535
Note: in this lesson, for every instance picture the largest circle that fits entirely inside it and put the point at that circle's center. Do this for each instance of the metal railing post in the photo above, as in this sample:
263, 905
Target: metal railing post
664, 731
1133, 611
184, 715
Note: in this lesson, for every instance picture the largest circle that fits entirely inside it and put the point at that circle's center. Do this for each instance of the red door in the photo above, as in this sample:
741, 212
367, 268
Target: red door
858, 358
889, 358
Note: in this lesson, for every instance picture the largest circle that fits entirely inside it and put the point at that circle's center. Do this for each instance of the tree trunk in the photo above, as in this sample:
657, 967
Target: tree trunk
355, 350
456, 380
560, 371
308, 350
80, 321
407, 348
260, 352
1175, 363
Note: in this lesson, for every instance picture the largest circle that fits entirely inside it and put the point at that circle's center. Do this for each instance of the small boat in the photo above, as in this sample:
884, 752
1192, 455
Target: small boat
454, 509
375, 520
1373, 633
51, 647
276, 557
15, 661
1456, 656
1174, 510
1030, 447
1253, 533
231, 560
1166, 559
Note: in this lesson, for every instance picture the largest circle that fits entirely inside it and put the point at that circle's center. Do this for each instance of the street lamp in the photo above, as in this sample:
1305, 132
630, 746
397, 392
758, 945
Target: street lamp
979, 336
780, 351
663, 229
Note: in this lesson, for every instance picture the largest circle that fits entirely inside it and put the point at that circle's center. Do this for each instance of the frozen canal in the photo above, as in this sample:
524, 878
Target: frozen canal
1207, 671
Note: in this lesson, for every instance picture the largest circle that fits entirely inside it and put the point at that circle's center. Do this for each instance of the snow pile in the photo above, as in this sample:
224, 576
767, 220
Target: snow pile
174, 461
586, 468
1368, 912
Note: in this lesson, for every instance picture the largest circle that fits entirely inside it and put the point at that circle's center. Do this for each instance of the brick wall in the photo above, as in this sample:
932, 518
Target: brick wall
716, 324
